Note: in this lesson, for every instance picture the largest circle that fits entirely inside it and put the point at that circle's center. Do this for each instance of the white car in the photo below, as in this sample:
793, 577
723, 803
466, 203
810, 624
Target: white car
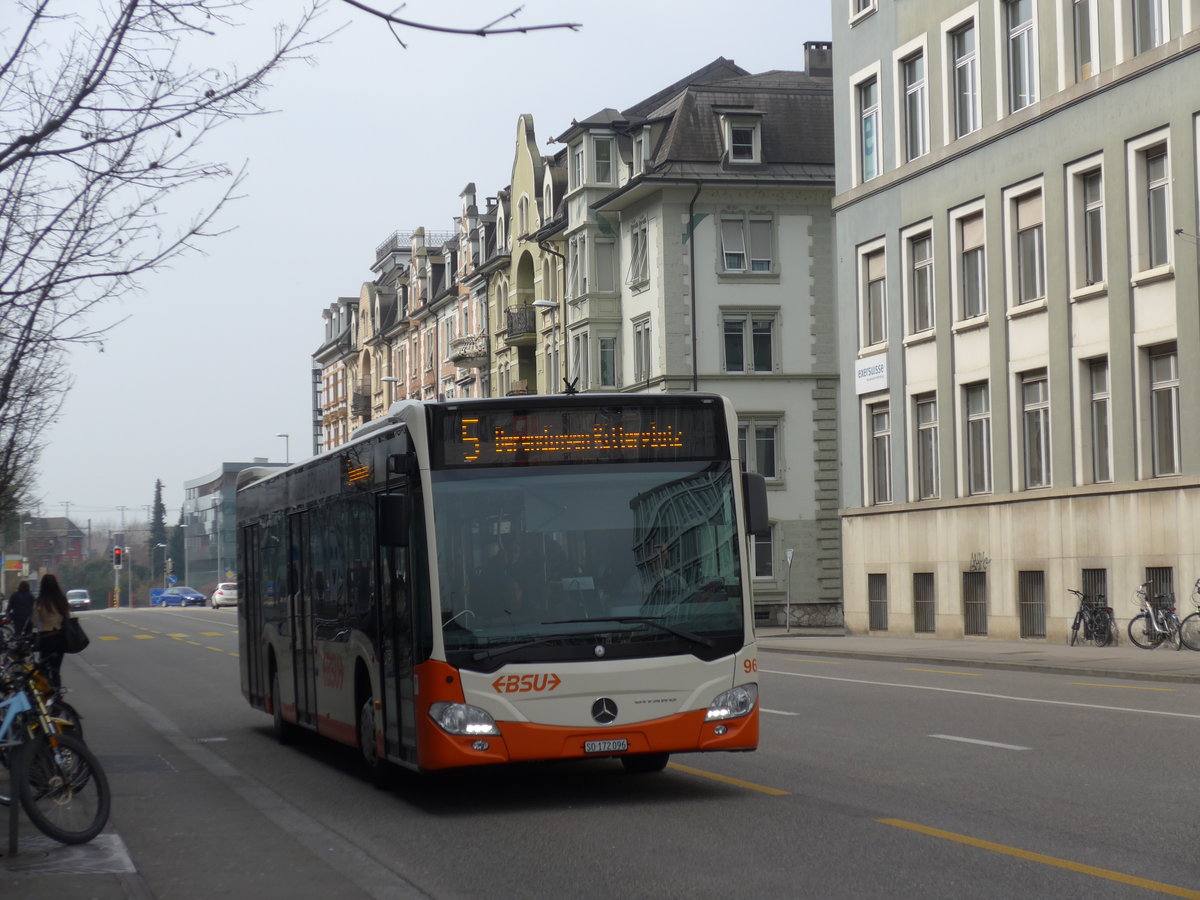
79, 599
224, 595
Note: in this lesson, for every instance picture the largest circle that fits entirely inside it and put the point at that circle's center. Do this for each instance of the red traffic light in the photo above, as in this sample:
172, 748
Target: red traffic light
118, 557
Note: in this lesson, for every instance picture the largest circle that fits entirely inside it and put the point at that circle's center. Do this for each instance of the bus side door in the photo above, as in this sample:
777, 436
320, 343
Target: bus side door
299, 591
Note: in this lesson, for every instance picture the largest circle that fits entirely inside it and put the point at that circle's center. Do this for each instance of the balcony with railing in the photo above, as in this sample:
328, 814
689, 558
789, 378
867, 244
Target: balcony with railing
520, 325
469, 351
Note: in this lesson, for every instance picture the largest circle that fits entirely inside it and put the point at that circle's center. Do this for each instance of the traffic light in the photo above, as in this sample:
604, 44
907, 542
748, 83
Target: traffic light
170, 565
118, 557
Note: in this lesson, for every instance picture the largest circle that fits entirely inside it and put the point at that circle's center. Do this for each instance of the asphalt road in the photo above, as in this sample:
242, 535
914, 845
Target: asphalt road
873, 779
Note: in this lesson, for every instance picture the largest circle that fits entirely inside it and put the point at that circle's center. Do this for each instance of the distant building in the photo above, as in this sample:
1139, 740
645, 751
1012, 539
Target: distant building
210, 539
1017, 279
51, 543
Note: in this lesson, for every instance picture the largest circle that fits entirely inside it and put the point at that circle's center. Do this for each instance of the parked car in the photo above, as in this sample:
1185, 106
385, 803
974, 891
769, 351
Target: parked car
224, 595
180, 596
79, 598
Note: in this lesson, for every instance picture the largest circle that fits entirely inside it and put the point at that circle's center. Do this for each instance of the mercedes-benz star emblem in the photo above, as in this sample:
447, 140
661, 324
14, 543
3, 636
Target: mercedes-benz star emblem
604, 710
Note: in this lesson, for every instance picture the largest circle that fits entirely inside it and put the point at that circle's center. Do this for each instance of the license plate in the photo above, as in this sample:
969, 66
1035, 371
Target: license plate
615, 746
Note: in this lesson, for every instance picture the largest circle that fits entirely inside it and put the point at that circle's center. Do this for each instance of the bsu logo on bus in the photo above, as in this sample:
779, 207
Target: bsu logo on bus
523, 684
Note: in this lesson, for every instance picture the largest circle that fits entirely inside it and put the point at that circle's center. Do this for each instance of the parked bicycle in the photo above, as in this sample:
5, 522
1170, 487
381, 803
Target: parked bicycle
56, 777
1158, 623
1093, 621
1189, 628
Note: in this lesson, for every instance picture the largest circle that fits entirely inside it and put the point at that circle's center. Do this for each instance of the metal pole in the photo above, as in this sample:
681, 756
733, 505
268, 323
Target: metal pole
788, 607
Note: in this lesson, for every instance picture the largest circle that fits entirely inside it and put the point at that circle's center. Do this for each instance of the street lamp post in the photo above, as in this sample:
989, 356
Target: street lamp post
24, 551
392, 380
186, 580
287, 444
152, 549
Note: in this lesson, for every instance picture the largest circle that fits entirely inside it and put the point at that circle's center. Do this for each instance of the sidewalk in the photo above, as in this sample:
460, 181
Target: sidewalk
1123, 661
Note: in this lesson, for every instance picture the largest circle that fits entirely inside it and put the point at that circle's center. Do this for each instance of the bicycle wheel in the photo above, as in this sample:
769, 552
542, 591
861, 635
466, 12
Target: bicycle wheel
63, 790
1142, 633
1102, 634
1189, 631
1073, 634
1173, 637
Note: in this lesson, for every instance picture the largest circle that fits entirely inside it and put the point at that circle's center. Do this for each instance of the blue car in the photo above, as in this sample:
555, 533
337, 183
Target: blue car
180, 596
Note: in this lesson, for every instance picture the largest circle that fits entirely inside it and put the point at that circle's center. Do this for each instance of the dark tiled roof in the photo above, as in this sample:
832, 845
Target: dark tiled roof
719, 69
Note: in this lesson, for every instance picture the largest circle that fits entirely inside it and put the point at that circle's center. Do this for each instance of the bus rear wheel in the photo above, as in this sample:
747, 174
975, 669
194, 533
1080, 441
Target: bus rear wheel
645, 763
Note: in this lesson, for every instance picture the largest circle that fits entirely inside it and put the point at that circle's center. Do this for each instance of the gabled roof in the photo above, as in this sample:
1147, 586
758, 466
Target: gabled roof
719, 69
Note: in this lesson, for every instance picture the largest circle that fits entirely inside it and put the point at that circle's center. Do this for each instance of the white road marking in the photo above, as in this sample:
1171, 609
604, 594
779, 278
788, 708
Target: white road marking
780, 712
946, 690
967, 740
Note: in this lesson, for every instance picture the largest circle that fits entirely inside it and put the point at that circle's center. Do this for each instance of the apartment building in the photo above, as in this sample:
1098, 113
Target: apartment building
1018, 326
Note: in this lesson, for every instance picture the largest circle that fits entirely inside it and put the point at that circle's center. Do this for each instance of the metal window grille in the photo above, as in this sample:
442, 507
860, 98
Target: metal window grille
1031, 597
923, 603
975, 603
1095, 585
877, 612
1162, 586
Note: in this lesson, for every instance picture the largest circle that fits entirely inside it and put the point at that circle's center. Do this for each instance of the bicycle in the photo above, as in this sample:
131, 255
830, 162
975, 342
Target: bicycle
57, 779
1094, 621
1157, 623
1189, 628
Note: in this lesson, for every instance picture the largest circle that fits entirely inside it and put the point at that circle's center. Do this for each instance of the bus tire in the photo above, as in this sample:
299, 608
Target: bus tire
378, 770
285, 732
645, 763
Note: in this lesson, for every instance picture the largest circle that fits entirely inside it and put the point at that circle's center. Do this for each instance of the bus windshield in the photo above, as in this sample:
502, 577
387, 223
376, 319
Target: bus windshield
580, 562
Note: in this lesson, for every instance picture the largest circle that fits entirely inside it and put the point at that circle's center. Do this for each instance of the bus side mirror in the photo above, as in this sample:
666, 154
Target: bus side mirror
392, 521
754, 495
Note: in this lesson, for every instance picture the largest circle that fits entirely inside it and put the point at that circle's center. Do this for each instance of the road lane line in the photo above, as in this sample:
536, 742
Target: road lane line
1123, 687
821, 662
780, 712
945, 690
725, 779
945, 672
1069, 865
967, 740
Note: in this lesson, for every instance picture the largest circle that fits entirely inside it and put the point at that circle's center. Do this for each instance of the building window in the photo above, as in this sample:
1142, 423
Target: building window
1089, 243
972, 274
880, 455
749, 342
1147, 25
868, 114
966, 80
641, 350
638, 163
576, 166
747, 244
925, 451
606, 266
1022, 62
608, 361
577, 265
602, 153
1035, 429
1030, 274
924, 603
764, 554
639, 267
1084, 44
920, 283
758, 446
978, 449
1158, 216
916, 115
861, 7
874, 299
877, 606
1164, 411
580, 371
1101, 426
742, 139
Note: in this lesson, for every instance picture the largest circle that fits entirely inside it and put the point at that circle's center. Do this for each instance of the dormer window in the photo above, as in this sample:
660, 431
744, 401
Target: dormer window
576, 170
602, 154
743, 139
639, 154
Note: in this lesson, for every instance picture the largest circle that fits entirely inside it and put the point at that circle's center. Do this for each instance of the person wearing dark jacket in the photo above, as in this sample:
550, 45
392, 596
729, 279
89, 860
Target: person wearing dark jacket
50, 613
20, 607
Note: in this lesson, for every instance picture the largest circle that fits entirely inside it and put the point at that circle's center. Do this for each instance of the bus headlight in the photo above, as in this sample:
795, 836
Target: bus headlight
459, 718
733, 704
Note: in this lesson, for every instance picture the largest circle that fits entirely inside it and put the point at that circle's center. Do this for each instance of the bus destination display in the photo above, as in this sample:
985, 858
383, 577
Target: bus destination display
475, 437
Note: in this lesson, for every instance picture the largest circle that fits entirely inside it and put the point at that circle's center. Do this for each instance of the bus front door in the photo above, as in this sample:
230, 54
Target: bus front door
303, 652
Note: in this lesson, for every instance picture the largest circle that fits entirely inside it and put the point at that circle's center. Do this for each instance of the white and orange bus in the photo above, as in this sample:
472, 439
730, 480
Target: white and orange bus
489, 581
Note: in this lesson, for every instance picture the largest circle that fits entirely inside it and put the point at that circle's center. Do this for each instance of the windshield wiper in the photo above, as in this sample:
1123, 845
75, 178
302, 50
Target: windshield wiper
493, 652
652, 621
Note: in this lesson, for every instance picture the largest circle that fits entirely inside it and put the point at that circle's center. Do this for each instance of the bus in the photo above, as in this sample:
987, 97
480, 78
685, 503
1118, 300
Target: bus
489, 581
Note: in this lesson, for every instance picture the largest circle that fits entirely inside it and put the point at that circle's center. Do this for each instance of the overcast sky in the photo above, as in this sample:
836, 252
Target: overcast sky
213, 357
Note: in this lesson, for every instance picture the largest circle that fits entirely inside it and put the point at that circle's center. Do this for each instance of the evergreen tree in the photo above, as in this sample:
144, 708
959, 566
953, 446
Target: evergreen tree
158, 535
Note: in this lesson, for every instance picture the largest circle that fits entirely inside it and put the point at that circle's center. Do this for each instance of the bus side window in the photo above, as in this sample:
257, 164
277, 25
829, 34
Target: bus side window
393, 520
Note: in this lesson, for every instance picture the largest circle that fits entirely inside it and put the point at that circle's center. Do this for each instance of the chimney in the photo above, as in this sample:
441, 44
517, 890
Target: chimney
818, 58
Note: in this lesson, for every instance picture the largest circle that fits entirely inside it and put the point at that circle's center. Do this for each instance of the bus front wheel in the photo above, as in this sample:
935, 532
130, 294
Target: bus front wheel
645, 763
377, 767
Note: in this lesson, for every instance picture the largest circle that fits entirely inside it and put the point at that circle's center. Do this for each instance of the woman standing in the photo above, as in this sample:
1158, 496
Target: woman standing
50, 614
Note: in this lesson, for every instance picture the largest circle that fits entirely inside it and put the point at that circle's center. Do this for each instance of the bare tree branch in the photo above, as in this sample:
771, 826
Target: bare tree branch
483, 31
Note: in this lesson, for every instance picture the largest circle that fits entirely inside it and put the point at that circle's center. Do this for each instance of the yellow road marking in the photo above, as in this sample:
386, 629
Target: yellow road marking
215, 649
177, 636
828, 662
143, 637
109, 637
725, 779
945, 672
212, 634
194, 643
1123, 687
234, 655
1069, 865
